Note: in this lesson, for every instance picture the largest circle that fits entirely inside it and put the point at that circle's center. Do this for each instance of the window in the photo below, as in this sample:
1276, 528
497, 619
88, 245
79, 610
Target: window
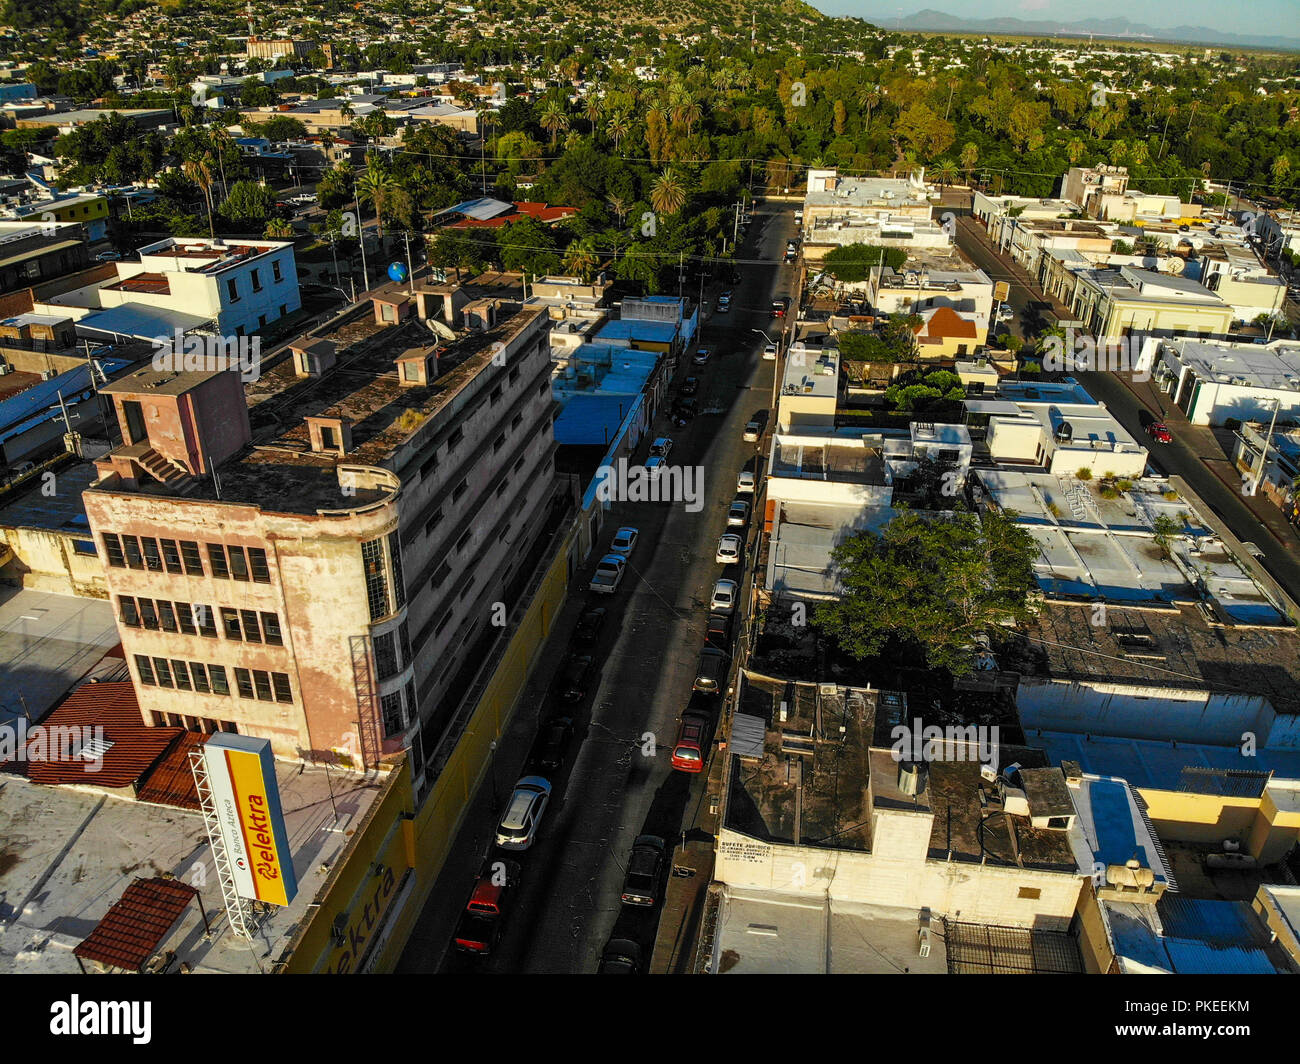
238, 563
412, 708
404, 640
171, 556
200, 676
84, 546
392, 711
167, 615
164, 672
182, 675
463, 542
453, 441
113, 550
271, 630
217, 559
252, 631
516, 421
519, 464
230, 622
204, 618
232, 290
185, 618
544, 388
443, 571
498, 443
399, 583
257, 565
372, 557
494, 396
432, 523
131, 547
461, 488
127, 611
145, 670
152, 559
430, 464
190, 556
446, 620
277, 273
244, 683
501, 488
514, 375
386, 655
148, 614
283, 693
217, 677
257, 281
262, 681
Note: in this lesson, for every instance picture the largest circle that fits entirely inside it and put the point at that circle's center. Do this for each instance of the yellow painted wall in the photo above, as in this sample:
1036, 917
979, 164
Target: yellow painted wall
1094, 942
1205, 818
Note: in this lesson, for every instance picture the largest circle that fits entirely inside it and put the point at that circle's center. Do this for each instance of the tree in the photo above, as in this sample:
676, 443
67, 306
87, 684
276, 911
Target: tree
854, 262
936, 585
376, 186
617, 127
249, 205
581, 257
1165, 528
554, 119
668, 194
200, 172
528, 246
864, 347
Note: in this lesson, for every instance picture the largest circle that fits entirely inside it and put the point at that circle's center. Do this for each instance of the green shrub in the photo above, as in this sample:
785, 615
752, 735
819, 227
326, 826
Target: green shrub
1084, 474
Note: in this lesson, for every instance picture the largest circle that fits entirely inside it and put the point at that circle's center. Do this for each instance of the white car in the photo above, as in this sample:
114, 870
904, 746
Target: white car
752, 431
769, 352
624, 542
701, 356
745, 482
662, 447
518, 827
729, 547
737, 513
723, 599
608, 575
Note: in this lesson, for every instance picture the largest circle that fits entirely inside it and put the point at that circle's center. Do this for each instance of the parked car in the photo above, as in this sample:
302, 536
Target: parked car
519, 823
575, 677
745, 482
641, 882
551, 744
779, 307
718, 632
798, 217
684, 410
790, 255
621, 956
654, 463
590, 625
769, 352
109, 256
690, 386
711, 672
702, 356
729, 547
1159, 432
608, 574
688, 750
738, 514
725, 593
624, 542
753, 429
480, 923
662, 447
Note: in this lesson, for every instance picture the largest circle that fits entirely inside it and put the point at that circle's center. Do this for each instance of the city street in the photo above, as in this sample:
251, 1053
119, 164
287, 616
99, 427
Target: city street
619, 784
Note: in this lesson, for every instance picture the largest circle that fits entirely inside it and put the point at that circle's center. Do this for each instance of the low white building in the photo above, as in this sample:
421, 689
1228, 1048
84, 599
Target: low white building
1214, 381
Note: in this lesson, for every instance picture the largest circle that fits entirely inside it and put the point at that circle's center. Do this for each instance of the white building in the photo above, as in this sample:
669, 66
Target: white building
1214, 381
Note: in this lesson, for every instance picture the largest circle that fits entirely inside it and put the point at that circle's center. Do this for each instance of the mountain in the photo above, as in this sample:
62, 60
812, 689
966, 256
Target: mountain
1120, 28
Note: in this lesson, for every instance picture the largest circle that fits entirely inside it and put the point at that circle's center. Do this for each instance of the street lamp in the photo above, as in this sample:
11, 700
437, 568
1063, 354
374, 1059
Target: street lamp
776, 368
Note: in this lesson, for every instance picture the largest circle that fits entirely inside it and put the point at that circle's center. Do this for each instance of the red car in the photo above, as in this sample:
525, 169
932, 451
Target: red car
1159, 432
480, 923
688, 751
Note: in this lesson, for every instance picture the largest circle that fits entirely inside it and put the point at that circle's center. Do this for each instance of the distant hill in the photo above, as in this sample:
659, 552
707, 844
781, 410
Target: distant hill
1117, 28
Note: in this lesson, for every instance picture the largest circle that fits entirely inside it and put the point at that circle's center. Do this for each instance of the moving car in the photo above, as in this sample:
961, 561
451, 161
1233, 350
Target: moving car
608, 574
624, 542
724, 303
729, 548
1159, 432
621, 956
551, 744
723, 599
769, 352
690, 386
523, 815
590, 625
752, 430
711, 672
480, 924
790, 255
779, 307
641, 883
662, 447
745, 482
575, 677
688, 750
701, 356
798, 217
738, 513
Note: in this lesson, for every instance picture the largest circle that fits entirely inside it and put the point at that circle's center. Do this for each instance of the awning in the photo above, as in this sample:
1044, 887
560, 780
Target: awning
138, 923
140, 323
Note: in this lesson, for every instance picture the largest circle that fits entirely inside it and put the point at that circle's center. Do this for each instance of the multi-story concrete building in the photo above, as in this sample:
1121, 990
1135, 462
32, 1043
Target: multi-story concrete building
1084, 185
320, 561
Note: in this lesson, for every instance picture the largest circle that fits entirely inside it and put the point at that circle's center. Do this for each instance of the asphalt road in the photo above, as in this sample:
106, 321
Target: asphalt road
618, 783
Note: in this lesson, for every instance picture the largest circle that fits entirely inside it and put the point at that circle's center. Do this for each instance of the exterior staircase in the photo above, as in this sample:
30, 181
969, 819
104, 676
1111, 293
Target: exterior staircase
164, 470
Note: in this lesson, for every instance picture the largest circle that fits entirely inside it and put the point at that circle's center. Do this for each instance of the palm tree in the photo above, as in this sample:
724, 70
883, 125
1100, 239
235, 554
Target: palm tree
377, 186
946, 172
223, 144
970, 155
554, 119
1074, 150
668, 195
200, 172
278, 229
581, 257
619, 206
617, 127
593, 106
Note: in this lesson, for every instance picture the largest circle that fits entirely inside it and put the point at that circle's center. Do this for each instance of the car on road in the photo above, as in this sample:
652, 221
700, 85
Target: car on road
621, 956
798, 217
654, 463
769, 352
624, 542
518, 826
589, 626
753, 430
702, 356
745, 482
608, 574
1159, 432
738, 513
662, 447
1006, 312
723, 599
550, 746
641, 881
718, 631
690, 386
305, 197
480, 923
109, 256
724, 303
688, 750
779, 307
791, 254
684, 410
711, 672
575, 677
729, 548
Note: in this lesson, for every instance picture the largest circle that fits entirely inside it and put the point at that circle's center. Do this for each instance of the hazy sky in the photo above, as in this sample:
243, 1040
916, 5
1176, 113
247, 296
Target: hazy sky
1258, 16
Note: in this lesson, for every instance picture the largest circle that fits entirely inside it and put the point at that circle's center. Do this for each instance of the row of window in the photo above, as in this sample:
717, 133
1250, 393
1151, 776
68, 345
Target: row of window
203, 725
189, 618
395, 716
232, 289
385, 584
183, 558
211, 679
458, 435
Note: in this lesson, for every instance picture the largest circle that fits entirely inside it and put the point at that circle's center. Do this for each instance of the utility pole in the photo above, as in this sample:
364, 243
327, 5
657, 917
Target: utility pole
1263, 458
361, 237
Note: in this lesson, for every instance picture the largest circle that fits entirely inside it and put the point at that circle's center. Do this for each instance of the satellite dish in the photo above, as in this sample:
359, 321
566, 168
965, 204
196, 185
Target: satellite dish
1173, 265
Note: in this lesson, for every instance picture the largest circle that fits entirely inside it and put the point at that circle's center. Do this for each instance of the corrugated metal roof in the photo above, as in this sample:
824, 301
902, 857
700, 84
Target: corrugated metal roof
141, 323
747, 733
40, 402
132, 930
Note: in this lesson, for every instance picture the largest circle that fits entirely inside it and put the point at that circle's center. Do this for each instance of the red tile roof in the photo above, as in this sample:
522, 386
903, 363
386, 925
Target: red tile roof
132, 930
170, 781
113, 707
523, 209
945, 322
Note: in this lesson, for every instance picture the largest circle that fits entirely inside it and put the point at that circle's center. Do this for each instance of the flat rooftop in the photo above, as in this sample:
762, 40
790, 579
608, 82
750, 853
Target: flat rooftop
844, 461
70, 854
61, 512
1275, 366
